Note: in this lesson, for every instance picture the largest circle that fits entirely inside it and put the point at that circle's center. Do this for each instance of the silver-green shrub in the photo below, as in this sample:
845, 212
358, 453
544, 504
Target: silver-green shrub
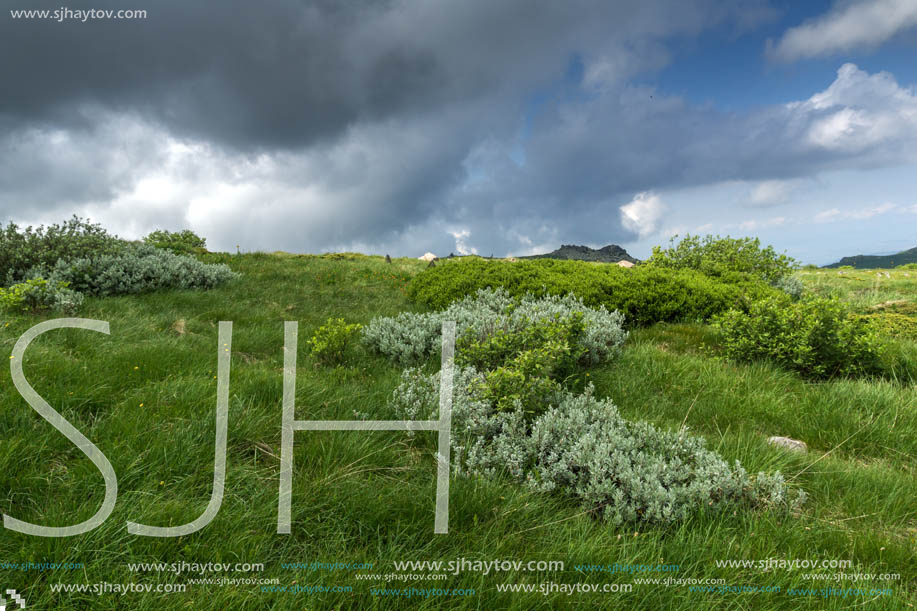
633, 471
583, 448
791, 285
405, 338
139, 268
410, 337
67, 301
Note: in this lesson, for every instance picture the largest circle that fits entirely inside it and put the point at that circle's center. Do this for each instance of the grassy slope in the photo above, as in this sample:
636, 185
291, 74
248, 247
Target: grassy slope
864, 287
369, 497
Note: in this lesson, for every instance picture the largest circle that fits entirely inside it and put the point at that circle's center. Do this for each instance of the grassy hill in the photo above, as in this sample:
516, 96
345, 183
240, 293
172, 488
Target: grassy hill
881, 262
146, 396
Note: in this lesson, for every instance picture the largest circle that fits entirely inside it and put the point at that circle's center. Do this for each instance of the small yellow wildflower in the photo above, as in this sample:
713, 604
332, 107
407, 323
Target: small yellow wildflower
141, 405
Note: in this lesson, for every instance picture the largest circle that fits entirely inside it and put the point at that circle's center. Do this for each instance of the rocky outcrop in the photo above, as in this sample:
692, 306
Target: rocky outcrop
607, 254
876, 261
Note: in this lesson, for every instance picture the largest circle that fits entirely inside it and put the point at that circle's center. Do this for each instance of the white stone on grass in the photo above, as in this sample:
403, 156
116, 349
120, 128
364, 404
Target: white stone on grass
790, 444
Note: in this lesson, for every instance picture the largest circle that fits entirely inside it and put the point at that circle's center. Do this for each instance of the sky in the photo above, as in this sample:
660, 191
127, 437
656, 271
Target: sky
497, 128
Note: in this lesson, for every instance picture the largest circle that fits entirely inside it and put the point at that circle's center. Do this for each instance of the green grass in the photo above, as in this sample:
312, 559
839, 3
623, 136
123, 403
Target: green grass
369, 497
866, 288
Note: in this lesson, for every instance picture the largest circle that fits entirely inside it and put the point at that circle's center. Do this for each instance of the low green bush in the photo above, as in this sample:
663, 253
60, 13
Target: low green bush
138, 268
179, 242
716, 256
907, 266
819, 338
22, 250
524, 384
489, 347
644, 294
38, 294
329, 341
583, 449
524, 366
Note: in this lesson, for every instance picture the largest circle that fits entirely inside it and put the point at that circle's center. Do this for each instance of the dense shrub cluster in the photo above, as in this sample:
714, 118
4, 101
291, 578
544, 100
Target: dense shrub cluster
137, 268
490, 346
24, 249
523, 367
582, 447
717, 256
179, 242
38, 294
644, 294
818, 338
525, 348
410, 337
54, 266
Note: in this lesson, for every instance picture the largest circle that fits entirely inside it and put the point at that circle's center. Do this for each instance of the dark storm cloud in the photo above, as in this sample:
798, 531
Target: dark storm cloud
288, 73
277, 73
45, 169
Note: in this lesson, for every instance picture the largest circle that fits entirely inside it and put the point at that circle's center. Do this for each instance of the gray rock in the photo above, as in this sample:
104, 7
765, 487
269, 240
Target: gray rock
793, 445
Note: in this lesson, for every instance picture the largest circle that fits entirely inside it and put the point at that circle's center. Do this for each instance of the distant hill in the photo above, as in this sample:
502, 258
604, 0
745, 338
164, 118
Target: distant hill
607, 254
873, 261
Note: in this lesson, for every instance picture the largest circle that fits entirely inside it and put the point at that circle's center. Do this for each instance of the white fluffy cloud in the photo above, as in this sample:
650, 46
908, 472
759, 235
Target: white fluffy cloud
860, 214
848, 25
858, 113
756, 225
772, 192
461, 243
643, 215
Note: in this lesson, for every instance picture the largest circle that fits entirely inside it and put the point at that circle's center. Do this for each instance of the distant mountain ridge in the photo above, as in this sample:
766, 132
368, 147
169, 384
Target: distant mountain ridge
873, 261
607, 254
